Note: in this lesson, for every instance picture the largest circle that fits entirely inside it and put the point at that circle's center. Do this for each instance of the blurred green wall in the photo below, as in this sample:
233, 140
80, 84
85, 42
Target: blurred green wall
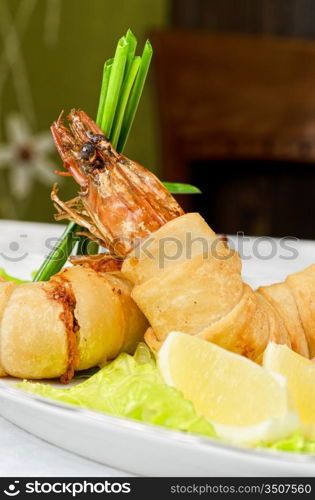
64, 70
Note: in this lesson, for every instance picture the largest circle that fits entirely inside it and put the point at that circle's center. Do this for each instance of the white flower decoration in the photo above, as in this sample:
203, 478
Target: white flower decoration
26, 157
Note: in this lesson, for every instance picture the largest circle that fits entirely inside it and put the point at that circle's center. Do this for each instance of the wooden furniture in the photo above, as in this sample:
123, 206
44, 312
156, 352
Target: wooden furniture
293, 18
233, 97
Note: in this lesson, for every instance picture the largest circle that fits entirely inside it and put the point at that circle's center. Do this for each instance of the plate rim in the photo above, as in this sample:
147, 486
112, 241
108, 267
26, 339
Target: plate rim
152, 430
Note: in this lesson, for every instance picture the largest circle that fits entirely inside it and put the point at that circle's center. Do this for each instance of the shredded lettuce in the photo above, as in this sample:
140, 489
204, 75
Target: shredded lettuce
132, 387
295, 443
7, 277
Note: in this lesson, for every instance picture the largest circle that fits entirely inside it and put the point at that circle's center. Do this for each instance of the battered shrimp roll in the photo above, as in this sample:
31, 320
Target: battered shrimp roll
98, 314
281, 297
302, 286
175, 242
6, 289
191, 296
109, 320
77, 320
33, 333
200, 291
294, 301
134, 323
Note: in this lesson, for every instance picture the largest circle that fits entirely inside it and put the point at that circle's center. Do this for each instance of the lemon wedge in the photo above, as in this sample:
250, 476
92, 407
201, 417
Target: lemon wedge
246, 403
300, 375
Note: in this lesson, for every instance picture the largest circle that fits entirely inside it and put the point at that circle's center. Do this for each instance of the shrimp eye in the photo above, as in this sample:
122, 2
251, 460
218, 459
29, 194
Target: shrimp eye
87, 150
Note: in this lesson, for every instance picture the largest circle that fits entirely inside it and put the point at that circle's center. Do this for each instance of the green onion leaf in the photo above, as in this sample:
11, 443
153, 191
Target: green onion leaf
106, 75
178, 188
123, 99
114, 86
132, 45
58, 255
135, 96
87, 246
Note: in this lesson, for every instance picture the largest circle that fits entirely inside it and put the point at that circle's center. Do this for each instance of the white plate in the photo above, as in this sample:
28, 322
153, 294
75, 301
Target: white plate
140, 448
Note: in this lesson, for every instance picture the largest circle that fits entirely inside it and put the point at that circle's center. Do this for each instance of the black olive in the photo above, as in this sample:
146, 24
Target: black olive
87, 150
